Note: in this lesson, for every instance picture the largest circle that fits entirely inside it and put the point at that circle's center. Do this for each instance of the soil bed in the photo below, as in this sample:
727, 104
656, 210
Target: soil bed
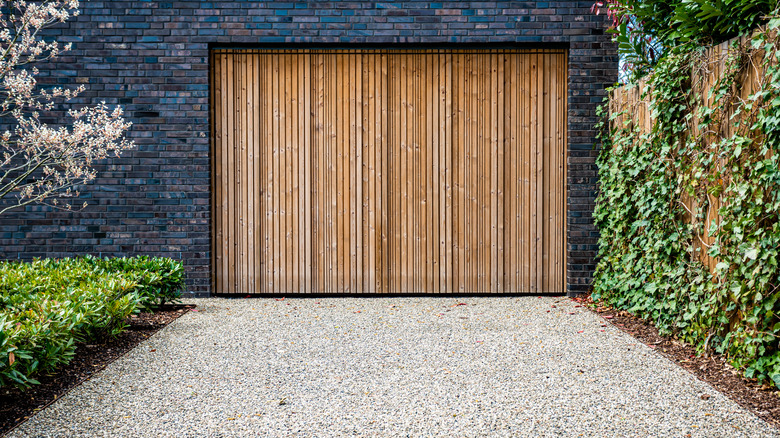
16, 405
762, 400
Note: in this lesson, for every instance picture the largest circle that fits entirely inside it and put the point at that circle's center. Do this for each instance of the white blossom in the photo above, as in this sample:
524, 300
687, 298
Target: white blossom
39, 163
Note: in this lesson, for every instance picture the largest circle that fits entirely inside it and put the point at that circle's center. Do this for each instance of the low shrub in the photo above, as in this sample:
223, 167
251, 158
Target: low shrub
159, 280
48, 306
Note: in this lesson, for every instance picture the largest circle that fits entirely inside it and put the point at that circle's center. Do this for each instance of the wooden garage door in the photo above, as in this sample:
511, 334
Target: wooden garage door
381, 171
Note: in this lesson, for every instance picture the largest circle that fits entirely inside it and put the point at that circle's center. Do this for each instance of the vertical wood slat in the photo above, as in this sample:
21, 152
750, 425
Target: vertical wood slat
445, 146
341, 176
268, 154
250, 169
274, 183
306, 220
247, 190
293, 195
287, 164
469, 104
350, 267
229, 223
494, 174
404, 179
385, 158
381, 171
460, 178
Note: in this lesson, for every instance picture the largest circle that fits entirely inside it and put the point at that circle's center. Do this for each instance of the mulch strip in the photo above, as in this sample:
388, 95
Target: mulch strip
762, 400
16, 406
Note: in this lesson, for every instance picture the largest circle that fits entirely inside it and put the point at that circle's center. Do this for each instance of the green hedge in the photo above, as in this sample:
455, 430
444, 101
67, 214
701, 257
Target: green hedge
47, 306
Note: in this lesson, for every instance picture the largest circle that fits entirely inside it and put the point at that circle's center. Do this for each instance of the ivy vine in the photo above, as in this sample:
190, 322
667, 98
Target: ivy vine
708, 154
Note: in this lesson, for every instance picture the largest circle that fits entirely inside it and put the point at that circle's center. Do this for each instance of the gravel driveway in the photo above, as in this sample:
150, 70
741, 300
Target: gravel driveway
393, 367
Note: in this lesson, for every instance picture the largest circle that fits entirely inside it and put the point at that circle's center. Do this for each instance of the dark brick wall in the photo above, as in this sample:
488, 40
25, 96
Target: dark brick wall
152, 58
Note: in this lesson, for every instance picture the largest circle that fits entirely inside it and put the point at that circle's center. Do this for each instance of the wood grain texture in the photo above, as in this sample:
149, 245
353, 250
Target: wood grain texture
382, 171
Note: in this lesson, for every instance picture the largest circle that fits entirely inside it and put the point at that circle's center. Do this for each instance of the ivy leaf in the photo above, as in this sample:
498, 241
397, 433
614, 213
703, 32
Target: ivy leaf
752, 254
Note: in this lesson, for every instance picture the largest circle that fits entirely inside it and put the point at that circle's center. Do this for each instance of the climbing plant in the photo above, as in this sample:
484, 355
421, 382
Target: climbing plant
713, 153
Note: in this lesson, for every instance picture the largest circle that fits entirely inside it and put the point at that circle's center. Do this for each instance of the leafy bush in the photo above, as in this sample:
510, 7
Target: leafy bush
657, 188
47, 306
648, 30
159, 280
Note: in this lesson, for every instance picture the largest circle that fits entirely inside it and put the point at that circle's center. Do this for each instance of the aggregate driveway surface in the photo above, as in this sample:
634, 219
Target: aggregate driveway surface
393, 367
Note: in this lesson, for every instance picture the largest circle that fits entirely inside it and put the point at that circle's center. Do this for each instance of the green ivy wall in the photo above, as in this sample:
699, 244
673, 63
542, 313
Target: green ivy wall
689, 200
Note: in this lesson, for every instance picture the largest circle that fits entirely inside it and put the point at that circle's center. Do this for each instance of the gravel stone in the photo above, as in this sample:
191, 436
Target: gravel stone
497, 367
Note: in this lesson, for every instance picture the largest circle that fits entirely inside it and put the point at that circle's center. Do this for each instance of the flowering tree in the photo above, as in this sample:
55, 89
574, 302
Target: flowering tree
40, 163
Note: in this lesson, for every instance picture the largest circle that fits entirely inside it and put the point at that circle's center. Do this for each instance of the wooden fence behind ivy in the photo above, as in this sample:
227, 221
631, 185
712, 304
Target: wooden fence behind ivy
630, 104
